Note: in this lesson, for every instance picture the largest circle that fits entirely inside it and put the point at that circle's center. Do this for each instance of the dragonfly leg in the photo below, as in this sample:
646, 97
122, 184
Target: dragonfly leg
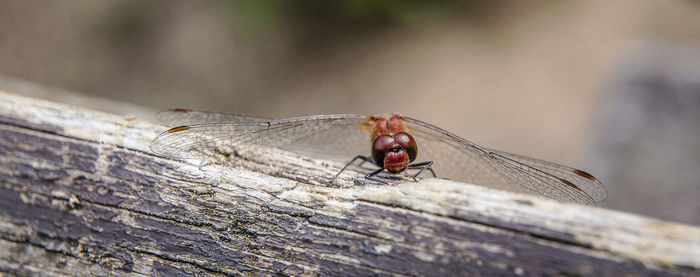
423, 166
358, 157
371, 175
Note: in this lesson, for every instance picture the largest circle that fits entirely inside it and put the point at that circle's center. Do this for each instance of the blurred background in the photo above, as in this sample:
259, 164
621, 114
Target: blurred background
609, 87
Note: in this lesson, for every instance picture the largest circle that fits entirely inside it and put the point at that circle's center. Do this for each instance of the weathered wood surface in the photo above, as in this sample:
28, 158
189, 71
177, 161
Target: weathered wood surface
82, 195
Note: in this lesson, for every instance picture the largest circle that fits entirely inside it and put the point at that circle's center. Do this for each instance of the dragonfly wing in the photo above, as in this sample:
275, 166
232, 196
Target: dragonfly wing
339, 141
192, 117
462, 160
575, 178
200, 141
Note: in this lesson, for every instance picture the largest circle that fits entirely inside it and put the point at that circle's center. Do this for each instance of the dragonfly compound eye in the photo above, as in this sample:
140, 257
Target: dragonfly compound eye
381, 145
408, 143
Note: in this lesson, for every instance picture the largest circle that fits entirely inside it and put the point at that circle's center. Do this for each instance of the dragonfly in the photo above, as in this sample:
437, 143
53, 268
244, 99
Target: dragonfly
395, 143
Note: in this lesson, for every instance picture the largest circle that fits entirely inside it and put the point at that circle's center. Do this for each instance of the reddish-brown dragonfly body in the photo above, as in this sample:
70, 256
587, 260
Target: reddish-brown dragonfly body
393, 148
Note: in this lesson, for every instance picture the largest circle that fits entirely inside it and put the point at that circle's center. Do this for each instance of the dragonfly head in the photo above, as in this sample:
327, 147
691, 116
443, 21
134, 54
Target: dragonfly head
394, 153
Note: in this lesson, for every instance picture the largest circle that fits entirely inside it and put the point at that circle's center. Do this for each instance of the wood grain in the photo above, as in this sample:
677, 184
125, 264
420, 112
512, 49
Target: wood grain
80, 194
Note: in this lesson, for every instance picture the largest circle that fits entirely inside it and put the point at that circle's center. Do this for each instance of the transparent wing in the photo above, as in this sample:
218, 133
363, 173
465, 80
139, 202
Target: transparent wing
570, 177
324, 134
458, 159
191, 117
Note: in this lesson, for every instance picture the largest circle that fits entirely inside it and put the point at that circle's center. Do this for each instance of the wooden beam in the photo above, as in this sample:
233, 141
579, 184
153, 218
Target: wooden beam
80, 194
